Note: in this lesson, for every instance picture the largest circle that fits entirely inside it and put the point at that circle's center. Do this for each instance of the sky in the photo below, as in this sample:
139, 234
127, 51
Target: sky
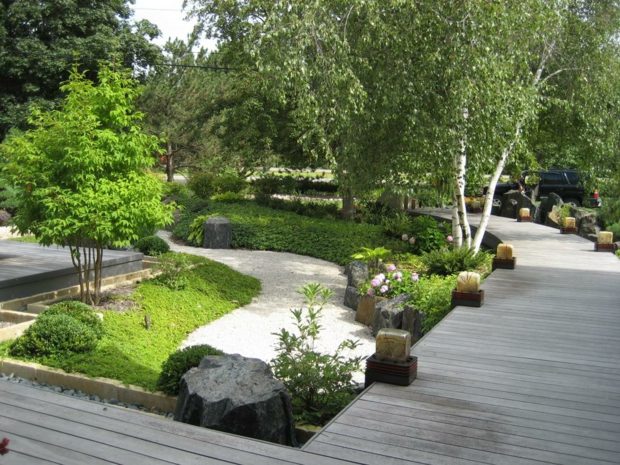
169, 17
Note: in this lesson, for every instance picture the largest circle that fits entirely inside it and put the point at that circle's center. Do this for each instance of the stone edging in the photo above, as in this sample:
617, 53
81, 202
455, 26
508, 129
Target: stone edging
105, 388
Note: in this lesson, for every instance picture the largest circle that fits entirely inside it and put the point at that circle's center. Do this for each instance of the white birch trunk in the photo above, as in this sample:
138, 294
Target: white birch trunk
460, 163
488, 203
457, 232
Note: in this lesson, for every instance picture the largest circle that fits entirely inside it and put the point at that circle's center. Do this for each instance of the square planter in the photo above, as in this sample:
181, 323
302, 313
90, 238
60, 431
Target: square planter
524, 219
504, 263
468, 299
399, 373
568, 230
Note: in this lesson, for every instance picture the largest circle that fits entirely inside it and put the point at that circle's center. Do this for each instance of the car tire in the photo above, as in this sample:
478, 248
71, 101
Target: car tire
573, 202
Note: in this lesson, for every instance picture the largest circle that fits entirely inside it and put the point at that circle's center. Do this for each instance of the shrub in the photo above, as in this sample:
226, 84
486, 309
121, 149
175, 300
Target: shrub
152, 245
433, 297
202, 184
312, 209
80, 311
614, 228
320, 384
173, 268
228, 181
55, 334
197, 230
428, 233
445, 262
176, 192
397, 225
179, 363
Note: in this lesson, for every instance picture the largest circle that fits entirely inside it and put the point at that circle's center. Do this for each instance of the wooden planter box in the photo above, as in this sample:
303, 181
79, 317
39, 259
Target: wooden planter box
468, 299
504, 263
524, 219
568, 230
399, 373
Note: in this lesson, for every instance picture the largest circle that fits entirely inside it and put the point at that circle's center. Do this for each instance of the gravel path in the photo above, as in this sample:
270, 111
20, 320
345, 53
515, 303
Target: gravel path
249, 330
5, 232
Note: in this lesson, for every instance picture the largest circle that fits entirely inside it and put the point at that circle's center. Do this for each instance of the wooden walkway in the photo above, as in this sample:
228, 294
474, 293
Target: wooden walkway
530, 377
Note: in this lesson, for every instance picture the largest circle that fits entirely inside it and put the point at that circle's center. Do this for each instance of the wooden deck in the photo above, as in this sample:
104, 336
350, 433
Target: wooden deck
530, 377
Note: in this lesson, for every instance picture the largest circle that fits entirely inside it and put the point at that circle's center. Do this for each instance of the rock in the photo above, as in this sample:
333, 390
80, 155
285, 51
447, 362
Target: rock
513, 201
237, 395
357, 273
389, 313
588, 226
546, 206
217, 233
412, 322
366, 310
352, 297
5, 217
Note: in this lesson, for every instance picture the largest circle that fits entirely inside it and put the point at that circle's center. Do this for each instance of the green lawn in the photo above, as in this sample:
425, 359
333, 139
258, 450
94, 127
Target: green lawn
133, 354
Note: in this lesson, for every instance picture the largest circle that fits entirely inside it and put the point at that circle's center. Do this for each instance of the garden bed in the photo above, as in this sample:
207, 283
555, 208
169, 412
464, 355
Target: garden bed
133, 354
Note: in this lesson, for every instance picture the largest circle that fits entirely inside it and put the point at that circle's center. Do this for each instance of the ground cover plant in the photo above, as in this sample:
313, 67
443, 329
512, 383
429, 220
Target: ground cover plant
261, 228
133, 354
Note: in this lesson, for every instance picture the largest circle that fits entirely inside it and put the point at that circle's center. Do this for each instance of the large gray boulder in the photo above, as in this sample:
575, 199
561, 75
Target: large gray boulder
389, 313
352, 297
587, 225
357, 273
237, 395
217, 233
412, 322
546, 207
513, 201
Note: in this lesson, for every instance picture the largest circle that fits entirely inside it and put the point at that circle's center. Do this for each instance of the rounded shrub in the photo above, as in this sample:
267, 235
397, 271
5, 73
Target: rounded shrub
202, 185
229, 181
152, 245
80, 311
55, 334
179, 363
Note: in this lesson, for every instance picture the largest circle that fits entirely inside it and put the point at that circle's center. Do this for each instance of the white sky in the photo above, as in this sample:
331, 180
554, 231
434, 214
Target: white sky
169, 17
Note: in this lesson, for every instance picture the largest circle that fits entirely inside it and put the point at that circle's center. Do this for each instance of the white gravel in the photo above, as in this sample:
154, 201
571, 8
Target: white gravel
249, 330
5, 232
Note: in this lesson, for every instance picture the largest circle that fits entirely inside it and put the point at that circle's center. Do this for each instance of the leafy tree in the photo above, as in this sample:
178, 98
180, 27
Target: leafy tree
80, 173
40, 39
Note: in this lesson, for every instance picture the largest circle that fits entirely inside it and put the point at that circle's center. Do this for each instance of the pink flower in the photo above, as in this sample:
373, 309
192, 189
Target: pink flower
450, 239
370, 292
412, 240
398, 276
375, 282
405, 237
380, 277
415, 277
384, 289
391, 267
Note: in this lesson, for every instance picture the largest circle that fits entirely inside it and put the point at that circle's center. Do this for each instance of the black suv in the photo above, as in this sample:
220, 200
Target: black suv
566, 183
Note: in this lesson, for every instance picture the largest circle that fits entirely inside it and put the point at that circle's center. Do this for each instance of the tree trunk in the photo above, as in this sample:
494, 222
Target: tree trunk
460, 163
348, 203
169, 163
457, 232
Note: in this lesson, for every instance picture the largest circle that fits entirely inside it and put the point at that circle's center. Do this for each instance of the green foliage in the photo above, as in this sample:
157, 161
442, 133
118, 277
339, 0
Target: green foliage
373, 257
173, 268
320, 384
152, 245
445, 262
228, 182
428, 233
433, 296
310, 208
202, 184
197, 231
80, 311
132, 354
270, 184
610, 211
179, 363
614, 228
80, 173
35, 59
55, 334
260, 228
176, 192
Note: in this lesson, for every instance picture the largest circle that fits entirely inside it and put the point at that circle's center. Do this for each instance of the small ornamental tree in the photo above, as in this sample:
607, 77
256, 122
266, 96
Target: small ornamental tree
80, 173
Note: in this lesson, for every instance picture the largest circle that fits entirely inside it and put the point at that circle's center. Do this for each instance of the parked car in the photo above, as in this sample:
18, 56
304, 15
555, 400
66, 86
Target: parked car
537, 184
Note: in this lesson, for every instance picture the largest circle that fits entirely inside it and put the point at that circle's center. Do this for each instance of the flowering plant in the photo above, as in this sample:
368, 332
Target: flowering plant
391, 283
4, 444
